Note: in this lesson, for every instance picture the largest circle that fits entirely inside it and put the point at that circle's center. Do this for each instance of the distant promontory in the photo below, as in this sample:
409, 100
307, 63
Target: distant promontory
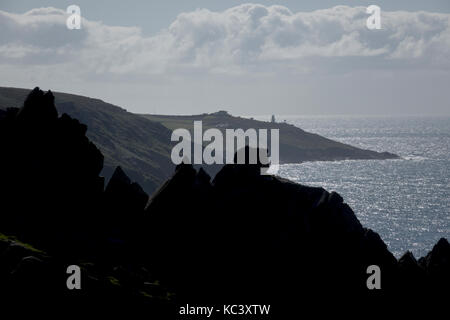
141, 144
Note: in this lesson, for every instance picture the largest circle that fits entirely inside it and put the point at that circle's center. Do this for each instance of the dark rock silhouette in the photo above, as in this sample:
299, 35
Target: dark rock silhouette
411, 274
50, 173
437, 264
259, 236
125, 193
53, 200
46, 111
241, 237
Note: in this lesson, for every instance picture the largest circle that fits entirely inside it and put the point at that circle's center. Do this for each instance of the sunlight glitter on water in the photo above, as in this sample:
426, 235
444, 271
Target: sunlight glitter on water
407, 201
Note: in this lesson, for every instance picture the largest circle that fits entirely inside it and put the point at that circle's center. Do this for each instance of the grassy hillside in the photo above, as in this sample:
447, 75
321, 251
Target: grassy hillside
141, 145
296, 145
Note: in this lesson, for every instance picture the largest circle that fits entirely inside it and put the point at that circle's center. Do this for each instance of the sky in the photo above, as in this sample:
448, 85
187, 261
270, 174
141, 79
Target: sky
266, 57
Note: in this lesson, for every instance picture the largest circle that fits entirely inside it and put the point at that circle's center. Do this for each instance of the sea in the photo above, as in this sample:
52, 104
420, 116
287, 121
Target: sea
407, 200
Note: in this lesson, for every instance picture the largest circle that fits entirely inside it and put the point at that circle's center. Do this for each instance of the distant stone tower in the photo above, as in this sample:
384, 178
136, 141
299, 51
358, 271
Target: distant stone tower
273, 119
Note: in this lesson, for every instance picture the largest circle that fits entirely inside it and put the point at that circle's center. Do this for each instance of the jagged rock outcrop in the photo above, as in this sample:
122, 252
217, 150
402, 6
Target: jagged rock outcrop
411, 274
53, 199
123, 205
437, 265
257, 236
246, 235
50, 173
46, 112
241, 237
128, 195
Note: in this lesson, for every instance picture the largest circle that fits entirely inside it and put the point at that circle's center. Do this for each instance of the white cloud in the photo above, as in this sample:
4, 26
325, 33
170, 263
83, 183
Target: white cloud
247, 59
243, 39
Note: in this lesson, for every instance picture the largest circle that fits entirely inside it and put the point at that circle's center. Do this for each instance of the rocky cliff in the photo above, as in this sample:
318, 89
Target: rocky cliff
238, 238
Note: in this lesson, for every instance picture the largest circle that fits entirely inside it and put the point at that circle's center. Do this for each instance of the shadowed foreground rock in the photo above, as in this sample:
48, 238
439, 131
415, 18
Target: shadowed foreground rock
54, 212
239, 238
245, 235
